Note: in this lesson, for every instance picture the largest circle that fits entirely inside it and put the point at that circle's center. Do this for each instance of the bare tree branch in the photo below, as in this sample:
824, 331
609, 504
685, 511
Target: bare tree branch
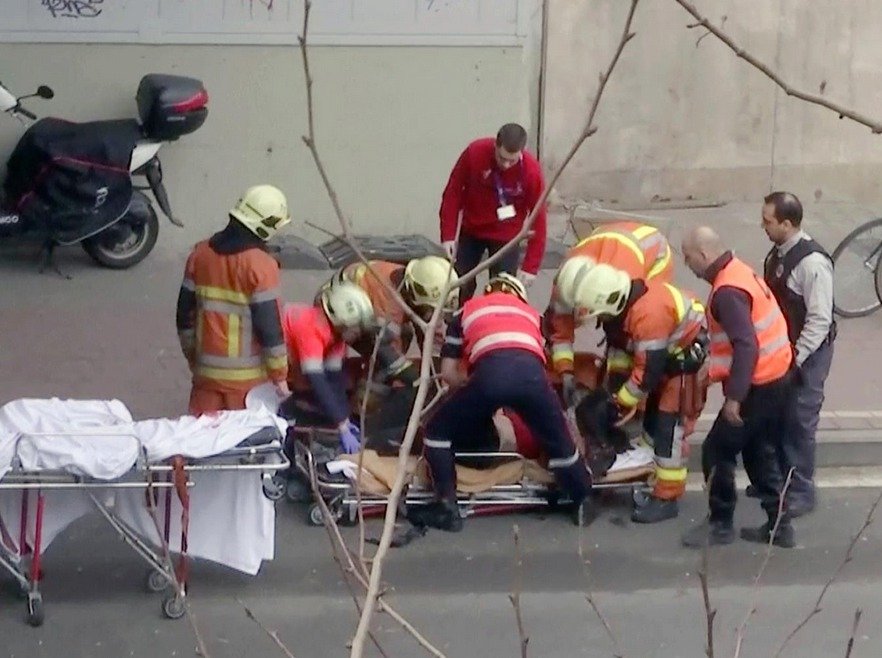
589, 597
588, 130
337, 542
515, 596
854, 627
842, 111
742, 628
309, 140
710, 613
413, 421
372, 364
272, 634
848, 557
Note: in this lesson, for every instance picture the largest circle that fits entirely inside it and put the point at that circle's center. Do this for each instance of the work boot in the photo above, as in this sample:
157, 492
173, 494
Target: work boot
784, 537
584, 513
800, 505
655, 510
712, 533
441, 514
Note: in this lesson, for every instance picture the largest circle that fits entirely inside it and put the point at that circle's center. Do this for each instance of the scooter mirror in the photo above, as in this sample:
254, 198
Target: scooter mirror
45, 92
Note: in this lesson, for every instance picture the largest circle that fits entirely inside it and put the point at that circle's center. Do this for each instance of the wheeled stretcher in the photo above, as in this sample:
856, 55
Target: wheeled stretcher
488, 482
196, 487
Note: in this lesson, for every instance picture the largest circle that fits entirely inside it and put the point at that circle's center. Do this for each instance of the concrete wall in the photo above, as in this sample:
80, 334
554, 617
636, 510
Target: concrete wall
679, 120
390, 121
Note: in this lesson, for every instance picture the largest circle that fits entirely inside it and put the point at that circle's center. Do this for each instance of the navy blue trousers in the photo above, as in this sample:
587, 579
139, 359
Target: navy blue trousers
515, 379
470, 252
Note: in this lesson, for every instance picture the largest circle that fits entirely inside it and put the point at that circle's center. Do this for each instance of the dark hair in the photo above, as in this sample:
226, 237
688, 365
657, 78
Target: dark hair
512, 137
787, 206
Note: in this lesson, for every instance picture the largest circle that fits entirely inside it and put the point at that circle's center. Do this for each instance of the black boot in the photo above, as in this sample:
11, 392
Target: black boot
712, 533
784, 537
654, 510
441, 514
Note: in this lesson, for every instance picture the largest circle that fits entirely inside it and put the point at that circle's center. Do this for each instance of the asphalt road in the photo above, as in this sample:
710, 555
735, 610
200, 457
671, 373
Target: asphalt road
455, 588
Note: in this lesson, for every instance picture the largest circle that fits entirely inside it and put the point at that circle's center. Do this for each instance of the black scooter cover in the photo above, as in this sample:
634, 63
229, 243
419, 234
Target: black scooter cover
67, 180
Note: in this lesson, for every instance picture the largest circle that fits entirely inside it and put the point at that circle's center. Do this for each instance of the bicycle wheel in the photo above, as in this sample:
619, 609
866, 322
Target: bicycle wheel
855, 260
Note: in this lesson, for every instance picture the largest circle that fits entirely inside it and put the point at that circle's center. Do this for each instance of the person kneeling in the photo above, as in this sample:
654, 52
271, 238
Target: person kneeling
317, 337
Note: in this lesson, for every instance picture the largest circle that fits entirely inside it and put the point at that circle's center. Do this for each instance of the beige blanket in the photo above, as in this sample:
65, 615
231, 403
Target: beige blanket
379, 474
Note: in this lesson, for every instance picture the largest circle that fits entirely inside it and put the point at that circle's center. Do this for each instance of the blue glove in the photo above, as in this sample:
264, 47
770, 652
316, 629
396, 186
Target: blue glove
350, 437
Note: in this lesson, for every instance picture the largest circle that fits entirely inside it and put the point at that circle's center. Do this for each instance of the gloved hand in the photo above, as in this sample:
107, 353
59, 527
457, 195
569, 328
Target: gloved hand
350, 437
568, 389
450, 248
283, 388
526, 278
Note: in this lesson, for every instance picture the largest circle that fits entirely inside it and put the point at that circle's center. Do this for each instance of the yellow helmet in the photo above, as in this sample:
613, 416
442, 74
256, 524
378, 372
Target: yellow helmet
347, 306
505, 282
424, 281
570, 277
263, 210
603, 290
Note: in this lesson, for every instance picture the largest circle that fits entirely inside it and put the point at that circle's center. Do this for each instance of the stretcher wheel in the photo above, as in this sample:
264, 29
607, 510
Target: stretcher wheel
155, 581
315, 516
173, 606
274, 487
298, 491
36, 614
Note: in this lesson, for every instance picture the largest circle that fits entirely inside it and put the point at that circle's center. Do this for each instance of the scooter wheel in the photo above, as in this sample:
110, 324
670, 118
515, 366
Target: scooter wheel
123, 246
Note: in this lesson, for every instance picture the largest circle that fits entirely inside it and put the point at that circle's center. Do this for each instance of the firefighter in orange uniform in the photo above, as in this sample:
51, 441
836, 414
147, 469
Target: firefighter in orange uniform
659, 329
420, 284
228, 312
640, 251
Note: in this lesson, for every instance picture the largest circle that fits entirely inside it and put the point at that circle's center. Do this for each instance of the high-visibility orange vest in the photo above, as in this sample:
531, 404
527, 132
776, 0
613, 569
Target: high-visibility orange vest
497, 321
775, 353
228, 355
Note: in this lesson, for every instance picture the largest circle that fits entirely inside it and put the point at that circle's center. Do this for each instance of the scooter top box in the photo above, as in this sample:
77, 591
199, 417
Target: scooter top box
171, 105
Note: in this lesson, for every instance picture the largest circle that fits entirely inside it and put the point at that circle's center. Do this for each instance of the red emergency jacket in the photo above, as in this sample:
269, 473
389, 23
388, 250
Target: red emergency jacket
472, 190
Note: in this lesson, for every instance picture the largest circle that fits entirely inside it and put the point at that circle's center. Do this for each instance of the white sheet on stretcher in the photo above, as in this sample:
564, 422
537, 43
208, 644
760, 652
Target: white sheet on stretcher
231, 521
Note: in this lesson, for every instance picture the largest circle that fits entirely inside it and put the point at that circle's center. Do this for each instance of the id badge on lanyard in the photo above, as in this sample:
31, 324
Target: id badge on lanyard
504, 209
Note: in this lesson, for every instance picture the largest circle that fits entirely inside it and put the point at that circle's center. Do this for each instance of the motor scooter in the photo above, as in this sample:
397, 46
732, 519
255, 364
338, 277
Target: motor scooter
74, 183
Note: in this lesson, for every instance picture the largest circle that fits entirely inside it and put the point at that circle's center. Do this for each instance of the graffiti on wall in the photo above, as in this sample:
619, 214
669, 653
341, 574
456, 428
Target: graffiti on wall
73, 8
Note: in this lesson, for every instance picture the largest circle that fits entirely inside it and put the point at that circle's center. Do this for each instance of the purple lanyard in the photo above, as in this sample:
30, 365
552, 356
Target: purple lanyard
500, 190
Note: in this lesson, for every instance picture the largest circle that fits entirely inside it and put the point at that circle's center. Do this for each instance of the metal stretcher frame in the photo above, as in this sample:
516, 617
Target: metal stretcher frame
342, 499
167, 475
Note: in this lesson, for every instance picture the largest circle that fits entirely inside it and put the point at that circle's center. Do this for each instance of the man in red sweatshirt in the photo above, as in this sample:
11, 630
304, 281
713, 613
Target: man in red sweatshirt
494, 185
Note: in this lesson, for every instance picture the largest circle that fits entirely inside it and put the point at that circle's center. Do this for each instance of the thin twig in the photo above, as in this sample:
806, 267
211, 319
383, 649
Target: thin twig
428, 340
515, 596
589, 597
588, 130
842, 111
274, 635
309, 140
373, 585
397, 488
333, 531
362, 415
349, 241
742, 628
848, 557
169, 565
854, 626
710, 613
